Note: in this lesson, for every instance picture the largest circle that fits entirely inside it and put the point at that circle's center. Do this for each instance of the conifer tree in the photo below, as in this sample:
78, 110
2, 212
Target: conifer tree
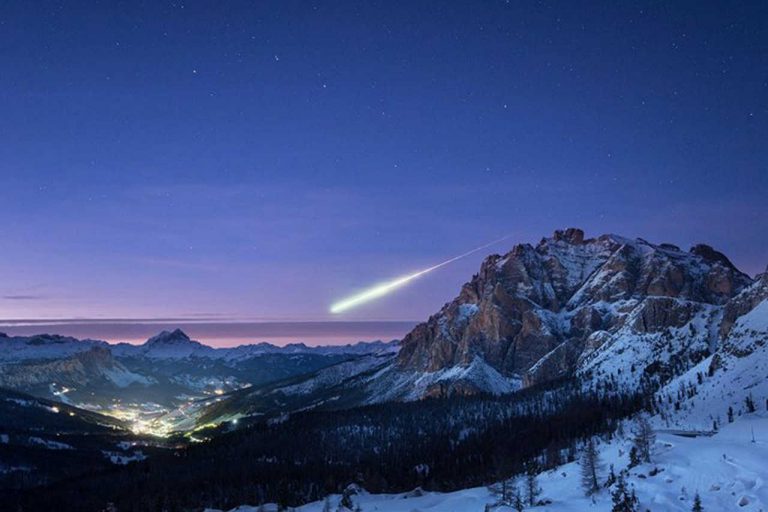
590, 465
697, 504
623, 499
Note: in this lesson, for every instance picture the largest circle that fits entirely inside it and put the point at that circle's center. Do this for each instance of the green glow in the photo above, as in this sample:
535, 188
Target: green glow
383, 289
375, 292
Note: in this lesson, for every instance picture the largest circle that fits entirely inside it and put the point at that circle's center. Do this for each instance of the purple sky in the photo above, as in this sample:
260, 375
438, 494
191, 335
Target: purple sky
259, 161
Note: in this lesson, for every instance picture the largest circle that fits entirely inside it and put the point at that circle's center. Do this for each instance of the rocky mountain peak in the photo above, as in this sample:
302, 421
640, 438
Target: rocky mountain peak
571, 235
538, 312
175, 337
744, 302
709, 254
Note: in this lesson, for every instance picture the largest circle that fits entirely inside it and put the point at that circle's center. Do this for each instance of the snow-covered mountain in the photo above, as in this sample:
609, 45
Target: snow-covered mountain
91, 367
165, 345
710, 422
169, 345
610, 308
166, 369
14, 349
595, 307
735, 375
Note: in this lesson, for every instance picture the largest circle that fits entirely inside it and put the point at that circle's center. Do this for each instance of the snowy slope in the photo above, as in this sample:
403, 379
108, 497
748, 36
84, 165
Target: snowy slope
728, 470
16, 349
391, 384
736, 372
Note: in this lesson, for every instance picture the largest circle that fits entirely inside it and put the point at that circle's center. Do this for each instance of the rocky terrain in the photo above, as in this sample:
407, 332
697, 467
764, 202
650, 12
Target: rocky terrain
608, 309
572, 304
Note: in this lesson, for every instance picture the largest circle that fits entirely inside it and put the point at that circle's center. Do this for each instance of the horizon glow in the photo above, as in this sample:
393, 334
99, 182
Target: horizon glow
382, 289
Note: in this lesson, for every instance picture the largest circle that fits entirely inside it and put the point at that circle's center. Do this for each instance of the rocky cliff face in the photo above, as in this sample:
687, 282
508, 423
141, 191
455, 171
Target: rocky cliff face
88, 367
571, 304
744, 327
735, 375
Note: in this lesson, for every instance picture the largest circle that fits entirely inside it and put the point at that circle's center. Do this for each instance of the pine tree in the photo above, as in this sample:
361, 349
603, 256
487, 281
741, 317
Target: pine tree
697, 504
346, 500
750, 403
590, 465
623, 500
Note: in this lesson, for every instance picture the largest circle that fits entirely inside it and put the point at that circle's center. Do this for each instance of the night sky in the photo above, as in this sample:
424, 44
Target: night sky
260, 160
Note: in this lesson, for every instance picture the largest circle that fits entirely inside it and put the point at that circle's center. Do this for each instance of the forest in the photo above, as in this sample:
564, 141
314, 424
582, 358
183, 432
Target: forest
437, 444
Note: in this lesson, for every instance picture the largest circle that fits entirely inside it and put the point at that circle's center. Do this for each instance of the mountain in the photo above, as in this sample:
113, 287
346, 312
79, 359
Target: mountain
569, 305
166, 372
14, 349
50, 371
43, 441
177, 345
709, 418
606, 309
332, 387
165, 345
735, 375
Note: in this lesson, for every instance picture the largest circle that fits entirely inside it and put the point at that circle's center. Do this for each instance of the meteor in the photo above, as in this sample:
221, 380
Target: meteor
384, 288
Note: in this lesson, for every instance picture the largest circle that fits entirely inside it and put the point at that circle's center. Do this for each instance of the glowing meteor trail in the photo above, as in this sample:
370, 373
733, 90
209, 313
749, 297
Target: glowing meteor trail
384, 288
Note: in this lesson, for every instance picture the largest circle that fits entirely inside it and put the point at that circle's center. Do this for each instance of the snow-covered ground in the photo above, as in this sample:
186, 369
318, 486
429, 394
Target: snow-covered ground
728, 470
51, 445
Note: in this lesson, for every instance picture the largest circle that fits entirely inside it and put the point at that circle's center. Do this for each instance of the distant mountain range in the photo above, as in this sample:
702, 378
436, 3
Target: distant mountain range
165, 369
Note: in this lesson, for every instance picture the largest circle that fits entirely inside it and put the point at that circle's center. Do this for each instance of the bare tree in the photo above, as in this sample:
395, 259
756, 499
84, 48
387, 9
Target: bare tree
644, 438
518, 503
503, 490
532, 489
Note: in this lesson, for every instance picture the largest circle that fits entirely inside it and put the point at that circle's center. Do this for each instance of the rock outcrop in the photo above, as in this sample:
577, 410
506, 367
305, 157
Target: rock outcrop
93, 366
569, 303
